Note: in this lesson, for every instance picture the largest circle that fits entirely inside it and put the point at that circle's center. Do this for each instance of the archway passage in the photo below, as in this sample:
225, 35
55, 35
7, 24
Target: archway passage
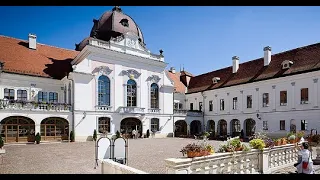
54, 128
235, 129
129, 124
222, 127
195, 127
180, 128
16, 128
250, 125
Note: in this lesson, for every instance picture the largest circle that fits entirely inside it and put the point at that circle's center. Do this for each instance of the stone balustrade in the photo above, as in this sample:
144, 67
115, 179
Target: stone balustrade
251, 162
34, 106
133, 110
103, 108
108, 166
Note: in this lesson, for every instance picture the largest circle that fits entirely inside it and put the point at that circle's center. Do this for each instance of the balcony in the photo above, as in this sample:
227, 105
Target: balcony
180, 111
194, 113
154, 110
103, 108
133, 110
33, 106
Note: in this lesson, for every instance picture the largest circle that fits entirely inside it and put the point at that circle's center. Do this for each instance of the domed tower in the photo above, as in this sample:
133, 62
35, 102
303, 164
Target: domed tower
112, 24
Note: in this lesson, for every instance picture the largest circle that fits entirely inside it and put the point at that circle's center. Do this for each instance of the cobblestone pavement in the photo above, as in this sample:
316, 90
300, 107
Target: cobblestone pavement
78, 158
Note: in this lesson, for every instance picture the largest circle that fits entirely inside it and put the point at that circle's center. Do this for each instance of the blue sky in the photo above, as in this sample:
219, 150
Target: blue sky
200, 38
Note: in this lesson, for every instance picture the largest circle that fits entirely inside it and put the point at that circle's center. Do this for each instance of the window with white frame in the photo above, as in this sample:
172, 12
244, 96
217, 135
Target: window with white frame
154, 124
200, 106
265, 125
265, 99
304, 96
9, 94
249, 101
210, 106
103, 125
304, 125
282, 125
283, 98
131, 93
154, 96
103, 91
234, 103
42, 96
221, 104
53, 97
22, 95
191, 106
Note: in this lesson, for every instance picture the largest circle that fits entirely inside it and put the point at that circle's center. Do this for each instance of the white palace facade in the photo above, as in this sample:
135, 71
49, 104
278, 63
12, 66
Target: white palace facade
111, 82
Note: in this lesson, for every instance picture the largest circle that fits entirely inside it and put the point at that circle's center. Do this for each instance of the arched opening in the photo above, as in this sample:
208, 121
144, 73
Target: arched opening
293, 127
180, 128
54, 128
195, 127
222, 128
250, 126
211, 128
154, 93
235, 129
103, 91
131, 93
17, 128
129, 124
103, 125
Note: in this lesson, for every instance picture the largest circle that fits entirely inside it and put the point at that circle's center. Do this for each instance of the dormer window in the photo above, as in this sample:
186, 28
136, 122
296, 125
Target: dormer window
286, 64
215, 80
124, 22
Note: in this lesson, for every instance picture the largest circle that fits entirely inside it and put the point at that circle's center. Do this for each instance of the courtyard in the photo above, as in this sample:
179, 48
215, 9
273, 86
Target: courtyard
78, 158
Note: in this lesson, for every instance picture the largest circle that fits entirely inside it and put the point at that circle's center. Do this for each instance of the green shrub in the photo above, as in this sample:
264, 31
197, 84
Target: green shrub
1, 142
118, 134
292, 137
38, 138
94, 137
257, 144
235, 142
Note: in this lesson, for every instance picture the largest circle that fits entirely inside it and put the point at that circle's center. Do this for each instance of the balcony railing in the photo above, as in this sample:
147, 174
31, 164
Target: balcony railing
194, 113
154, 110
133, 110
180, 111
33, 106
103, 108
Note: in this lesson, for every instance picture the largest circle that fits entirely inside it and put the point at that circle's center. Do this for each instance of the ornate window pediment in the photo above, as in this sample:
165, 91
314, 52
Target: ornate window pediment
154, 78
102, 70
131, 73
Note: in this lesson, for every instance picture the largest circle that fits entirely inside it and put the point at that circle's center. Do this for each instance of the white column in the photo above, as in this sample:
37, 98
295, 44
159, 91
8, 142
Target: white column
257, 97
293, 102
274, 98
228, 100
217, 104
124, 94
315, 92
242, 103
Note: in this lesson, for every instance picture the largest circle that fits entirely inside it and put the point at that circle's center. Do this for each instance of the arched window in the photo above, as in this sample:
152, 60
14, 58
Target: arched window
154, 125
103, 91
69, 93
154, 96
104, 125
131, 93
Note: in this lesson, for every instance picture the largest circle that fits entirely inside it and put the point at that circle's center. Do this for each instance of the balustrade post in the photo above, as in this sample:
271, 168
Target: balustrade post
264, 161
178, 166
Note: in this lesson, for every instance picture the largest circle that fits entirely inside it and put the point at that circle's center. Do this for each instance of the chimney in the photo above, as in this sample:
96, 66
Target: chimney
267, 55
32, 41
172, 70
235, 64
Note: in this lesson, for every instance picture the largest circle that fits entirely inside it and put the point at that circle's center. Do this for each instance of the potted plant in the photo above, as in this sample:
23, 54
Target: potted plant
283, 141
38, 138
94, 136
192, 150
1, 142
236, 143
300, 134
71, 136
148, 133
292, 139
269, 143
257, 144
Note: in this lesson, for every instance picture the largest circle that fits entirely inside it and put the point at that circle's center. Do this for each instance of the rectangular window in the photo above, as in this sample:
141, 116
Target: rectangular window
154, 125
210, 106
249, 101
176, 105
200, 106
9, 94
221, 104
22, 95
180, 106
42, 96
235, 102
283, 98
265, 125
282, 125
265, 99
304, 96
304, 125
191, 106
53, 97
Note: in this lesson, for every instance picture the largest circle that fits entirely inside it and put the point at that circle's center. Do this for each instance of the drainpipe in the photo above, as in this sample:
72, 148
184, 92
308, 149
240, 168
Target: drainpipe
72, 106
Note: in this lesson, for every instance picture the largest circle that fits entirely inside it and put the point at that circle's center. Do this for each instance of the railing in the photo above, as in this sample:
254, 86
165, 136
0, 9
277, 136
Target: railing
131, 110
154, 110
251, 162
103, 108
108, 166
33, 106
194, 113
180, 111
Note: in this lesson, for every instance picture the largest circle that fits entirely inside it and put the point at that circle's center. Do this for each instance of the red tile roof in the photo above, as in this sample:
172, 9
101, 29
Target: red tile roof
304, 59
178, 85
45, 61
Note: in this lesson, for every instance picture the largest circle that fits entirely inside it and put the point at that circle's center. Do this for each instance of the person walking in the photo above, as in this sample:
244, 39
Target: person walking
305, 163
